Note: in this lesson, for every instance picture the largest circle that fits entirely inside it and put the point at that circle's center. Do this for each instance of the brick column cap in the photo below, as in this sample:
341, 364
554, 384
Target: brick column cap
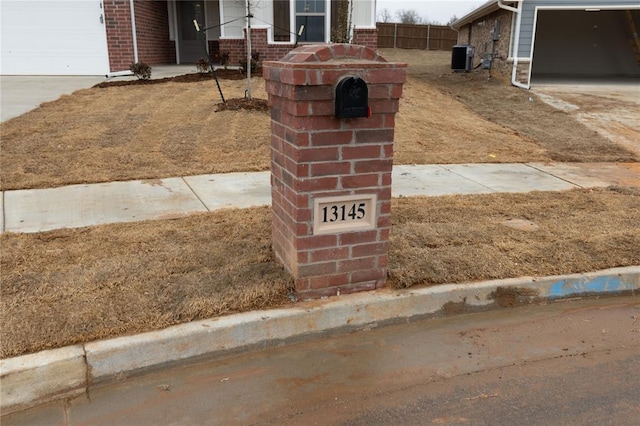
336, 55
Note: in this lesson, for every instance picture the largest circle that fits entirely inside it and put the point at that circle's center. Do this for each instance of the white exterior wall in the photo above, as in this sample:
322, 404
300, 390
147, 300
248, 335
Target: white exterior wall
364, 14
233, 9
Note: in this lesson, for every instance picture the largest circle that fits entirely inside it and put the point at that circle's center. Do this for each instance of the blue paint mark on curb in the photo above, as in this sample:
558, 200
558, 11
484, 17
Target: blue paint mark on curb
606, 284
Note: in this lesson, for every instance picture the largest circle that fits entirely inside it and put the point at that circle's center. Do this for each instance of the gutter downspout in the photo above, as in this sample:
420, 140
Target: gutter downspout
516, 42
133, 32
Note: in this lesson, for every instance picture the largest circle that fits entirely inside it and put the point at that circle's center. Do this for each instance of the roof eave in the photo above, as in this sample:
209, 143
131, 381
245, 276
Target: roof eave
487, 8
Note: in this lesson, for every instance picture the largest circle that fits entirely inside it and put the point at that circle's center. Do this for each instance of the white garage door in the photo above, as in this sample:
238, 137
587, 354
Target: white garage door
50, 37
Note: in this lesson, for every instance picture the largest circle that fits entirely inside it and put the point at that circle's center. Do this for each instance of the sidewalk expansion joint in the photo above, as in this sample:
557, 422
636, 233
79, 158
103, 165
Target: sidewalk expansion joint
554, 176
195, 193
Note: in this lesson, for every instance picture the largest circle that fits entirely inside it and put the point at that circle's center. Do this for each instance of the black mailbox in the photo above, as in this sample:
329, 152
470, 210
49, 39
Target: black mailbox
352, 98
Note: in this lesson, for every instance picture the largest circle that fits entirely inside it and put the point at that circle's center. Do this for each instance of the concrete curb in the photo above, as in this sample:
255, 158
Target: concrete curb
36, 378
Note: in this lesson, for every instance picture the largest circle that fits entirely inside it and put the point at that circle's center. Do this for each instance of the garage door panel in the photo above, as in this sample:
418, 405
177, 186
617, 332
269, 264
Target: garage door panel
53, 38
581, 43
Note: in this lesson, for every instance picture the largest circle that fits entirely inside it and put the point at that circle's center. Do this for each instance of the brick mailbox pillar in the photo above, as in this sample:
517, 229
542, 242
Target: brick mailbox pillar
330, 176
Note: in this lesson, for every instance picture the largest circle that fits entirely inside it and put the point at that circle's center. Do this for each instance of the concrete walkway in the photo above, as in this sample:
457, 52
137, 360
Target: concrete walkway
75, 206
22, 93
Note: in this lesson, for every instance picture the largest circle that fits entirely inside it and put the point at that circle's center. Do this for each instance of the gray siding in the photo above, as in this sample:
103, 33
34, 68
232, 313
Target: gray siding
528, 15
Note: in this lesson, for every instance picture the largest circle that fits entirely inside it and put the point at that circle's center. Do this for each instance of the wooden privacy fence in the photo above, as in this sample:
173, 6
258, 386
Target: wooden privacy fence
407, 36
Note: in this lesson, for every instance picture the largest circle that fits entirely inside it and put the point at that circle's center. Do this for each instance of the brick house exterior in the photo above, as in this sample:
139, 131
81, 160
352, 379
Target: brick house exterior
559, 39
156, 41
152, 31
479, 35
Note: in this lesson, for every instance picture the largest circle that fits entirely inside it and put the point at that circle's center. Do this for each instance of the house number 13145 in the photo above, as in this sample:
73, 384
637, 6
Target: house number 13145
344, 213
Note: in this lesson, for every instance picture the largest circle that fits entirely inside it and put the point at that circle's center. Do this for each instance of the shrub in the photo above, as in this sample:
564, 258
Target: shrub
222, 57
255, 62
141, 70
202, 64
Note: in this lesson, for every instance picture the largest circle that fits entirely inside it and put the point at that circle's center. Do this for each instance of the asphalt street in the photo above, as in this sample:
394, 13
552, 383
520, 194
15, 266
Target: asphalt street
571, 362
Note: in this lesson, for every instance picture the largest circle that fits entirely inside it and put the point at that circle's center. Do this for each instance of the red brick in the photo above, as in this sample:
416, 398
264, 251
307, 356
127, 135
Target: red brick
323, 255
328, 281
316, 242
386, 75
376, 121
316, 269
312, 93
384, 221
324, 54
396, 91
322, 108
339, 50
360, 181
389, 120
328, 169
382, 106
361, 152
302, 257
318, 184
338, 137
361, 264
316, 123
358, 237
387, 149
374, 136
297, 138
373, 166
379, 91
318, 154
370, 249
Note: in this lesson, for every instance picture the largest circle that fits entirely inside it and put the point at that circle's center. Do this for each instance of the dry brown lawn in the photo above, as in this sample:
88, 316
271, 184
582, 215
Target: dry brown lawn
69, 286
560, 136
173, 129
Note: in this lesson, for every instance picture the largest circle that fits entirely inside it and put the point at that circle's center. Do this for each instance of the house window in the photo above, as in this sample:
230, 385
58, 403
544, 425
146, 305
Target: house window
311, 14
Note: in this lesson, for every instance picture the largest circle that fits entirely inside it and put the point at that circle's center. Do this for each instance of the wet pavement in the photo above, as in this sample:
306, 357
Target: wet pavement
573, 362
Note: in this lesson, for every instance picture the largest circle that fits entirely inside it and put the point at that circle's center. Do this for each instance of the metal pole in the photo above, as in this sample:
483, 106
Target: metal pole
428, 35
203, 38
249, 49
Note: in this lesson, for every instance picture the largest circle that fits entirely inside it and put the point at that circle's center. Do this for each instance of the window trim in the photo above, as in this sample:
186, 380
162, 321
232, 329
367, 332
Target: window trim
327, 21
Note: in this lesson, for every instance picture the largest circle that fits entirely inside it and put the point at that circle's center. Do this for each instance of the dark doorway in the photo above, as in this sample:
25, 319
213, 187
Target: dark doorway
190, 45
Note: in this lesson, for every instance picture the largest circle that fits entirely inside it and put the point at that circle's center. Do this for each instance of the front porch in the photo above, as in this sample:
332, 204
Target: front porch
163, 32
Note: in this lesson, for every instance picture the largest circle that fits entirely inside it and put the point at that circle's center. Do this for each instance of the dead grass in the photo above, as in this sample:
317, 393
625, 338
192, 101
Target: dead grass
434, 128
70, 286
557, 133
467, 238
152, 131
134, 132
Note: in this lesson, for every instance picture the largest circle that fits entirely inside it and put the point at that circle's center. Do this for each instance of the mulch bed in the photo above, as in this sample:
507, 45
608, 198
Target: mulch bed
243, 104
222, 74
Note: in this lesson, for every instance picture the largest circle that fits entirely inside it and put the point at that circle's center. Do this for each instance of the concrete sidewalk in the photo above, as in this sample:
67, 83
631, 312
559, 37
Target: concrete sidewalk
75, 206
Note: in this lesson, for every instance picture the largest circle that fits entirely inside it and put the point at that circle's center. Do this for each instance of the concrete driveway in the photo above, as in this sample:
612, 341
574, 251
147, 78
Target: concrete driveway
609, 108
22, 93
